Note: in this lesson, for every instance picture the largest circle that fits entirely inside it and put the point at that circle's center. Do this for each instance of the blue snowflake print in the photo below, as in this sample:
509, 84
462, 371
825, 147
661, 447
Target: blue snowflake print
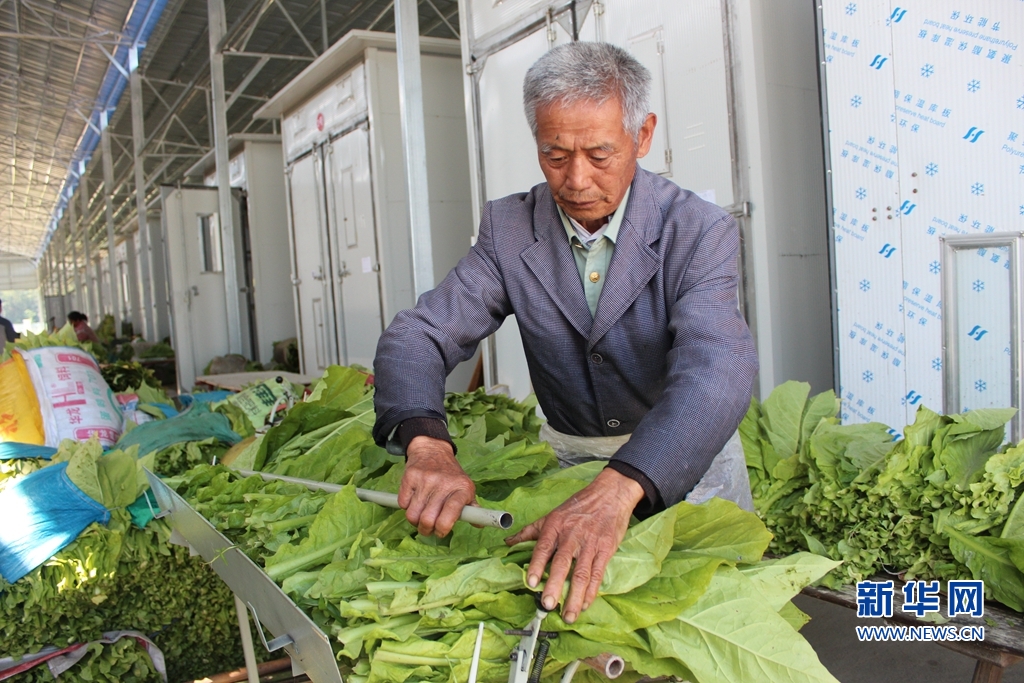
980, 385
978, 286
1022, 169
856, 101
974, 86
1020, 102
934, 267
978, 189
927, 70
865, 285
851, 9
868, 376
861, 193
936, 364
931, 169
1022, 209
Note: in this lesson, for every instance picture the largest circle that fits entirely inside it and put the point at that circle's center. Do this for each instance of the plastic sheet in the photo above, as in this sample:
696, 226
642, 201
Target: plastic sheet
726, 477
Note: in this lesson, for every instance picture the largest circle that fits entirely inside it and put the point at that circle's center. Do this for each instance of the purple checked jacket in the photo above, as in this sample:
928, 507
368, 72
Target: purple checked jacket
667, 357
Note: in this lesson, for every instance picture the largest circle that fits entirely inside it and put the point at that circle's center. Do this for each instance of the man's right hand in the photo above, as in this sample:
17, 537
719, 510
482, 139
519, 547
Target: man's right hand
434, 487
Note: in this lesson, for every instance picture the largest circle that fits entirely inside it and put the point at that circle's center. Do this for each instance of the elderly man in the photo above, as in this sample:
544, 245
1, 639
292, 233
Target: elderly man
624, 287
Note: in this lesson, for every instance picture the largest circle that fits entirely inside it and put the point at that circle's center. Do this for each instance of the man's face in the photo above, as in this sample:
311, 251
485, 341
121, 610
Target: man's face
588, 158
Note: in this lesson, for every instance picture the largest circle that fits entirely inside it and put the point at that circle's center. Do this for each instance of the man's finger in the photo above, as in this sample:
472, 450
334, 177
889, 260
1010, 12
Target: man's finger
560, 566
450, 513
579, 585
530, 532
417, 507
601, 560
405, 494
542, 552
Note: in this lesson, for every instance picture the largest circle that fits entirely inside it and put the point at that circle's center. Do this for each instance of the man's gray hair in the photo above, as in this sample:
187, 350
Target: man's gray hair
592, 72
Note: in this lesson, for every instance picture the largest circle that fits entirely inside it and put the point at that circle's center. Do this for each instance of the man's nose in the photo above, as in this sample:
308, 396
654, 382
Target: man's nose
577, 177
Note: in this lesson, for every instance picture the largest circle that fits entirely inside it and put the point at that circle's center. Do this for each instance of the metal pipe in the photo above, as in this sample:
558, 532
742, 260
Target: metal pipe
108, 187
252, 672
83, 195
609, 665
218, 24
471, 514
138, 140
414, 139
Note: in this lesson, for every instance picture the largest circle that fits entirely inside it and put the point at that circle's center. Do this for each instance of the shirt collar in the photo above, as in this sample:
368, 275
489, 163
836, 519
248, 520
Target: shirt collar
610, 229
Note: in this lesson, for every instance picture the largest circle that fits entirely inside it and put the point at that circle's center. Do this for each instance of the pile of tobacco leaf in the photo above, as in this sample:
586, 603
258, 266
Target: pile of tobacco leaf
942, 502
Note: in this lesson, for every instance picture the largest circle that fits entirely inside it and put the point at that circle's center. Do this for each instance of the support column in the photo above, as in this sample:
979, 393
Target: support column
108, 189
218, 25
138, 141
91, 309
73, 231
414, 141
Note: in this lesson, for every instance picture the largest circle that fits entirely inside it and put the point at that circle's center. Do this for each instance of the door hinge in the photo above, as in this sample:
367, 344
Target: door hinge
739, 209
668, 157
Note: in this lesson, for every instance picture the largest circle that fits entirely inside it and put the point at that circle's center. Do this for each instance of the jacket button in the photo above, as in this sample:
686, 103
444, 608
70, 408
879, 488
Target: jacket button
613, 423
596, 357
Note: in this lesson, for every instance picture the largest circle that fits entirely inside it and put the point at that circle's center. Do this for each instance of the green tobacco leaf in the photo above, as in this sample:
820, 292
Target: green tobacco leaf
513, 461
600, 623
340, 388
412, 558
733, 634
989, 560
82, 468
335, 455
778, 581
750, 434
527, 504
684, 578
794, 616
783, 413
342, 517
824, 406
117, 473
639, 556
922, 432
985, 418
483, 576
964, 458
719, 528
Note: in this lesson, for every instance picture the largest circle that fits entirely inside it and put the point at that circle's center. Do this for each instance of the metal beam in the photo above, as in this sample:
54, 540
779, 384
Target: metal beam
108, 190
301, 35
253, 73
414, 141
17, 35
218, 24
272, 55
138, 141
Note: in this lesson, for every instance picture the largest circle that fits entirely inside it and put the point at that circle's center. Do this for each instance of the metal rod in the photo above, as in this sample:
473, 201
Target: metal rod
138, 141
108, 189
609, 665
414, 138
296, 58
252, 673
218, 24
471, 514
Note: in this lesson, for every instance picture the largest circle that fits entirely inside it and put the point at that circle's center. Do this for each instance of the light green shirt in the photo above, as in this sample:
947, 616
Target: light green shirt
593, 252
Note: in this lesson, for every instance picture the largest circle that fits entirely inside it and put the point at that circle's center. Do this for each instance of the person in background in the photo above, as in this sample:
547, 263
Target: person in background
9, 332
80, 321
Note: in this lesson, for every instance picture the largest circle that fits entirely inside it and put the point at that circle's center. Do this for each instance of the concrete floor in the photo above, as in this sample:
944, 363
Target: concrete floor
832, 633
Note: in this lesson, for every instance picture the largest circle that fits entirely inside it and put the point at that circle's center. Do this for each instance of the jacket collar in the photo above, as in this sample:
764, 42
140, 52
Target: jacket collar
633, 262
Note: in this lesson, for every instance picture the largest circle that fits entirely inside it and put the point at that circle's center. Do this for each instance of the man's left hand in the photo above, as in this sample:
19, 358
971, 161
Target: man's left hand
587, 528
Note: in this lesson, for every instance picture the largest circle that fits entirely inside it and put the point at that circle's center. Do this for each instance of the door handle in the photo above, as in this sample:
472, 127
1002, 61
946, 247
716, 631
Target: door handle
195, 290
344, 272
318, 274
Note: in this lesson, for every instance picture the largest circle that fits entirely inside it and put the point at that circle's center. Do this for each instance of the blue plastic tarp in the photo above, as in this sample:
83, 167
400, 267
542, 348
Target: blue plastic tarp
12, 450
42, 513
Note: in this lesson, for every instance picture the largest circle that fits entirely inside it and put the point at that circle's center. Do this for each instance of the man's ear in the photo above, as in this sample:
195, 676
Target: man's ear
646, 135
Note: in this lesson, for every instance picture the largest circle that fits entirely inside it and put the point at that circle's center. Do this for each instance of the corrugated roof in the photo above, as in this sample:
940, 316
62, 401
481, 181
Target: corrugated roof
48, 86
